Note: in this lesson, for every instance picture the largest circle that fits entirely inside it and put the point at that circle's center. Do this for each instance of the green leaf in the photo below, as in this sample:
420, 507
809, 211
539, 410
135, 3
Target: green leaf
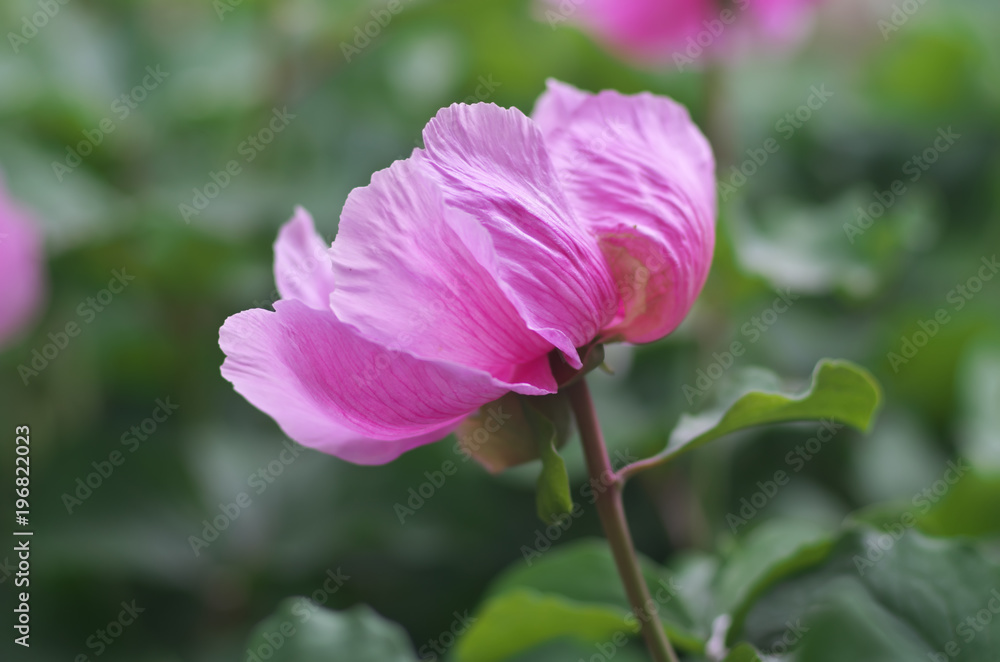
558, 571
519, 620
875, 634
804, 557
743, 653
900, 595
553, 498
979, 391
302, 631
570, 650
841, 391
813, 257
943, 508
771, 551
694, 573
963, 511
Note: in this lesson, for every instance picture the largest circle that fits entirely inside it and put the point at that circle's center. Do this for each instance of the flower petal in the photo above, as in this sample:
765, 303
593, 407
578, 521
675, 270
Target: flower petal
685, 32
331, 389
21, 268
641, 174
784, 20
492, 165
302, 268
648, 30
406, 281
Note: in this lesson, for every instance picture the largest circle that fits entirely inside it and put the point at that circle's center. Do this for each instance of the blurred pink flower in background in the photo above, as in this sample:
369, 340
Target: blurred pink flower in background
21, 268
457, 272
684, 32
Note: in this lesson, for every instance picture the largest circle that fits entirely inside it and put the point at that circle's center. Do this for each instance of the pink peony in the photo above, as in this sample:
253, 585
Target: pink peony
681, 31
21, 271
458, 271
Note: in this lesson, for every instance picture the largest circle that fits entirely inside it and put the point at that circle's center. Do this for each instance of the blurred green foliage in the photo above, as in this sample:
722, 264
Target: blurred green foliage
862, 297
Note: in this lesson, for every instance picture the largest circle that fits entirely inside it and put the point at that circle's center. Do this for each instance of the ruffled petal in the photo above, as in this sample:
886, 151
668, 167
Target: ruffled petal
407, 281
302, 267
492, 165
641, 174
21, 268
333, 390
553, 108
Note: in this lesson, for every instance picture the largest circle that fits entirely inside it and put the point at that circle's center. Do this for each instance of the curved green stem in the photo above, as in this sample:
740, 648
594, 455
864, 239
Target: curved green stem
660, 458
608, 488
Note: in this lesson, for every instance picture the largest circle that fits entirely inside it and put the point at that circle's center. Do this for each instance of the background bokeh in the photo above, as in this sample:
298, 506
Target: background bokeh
225, 70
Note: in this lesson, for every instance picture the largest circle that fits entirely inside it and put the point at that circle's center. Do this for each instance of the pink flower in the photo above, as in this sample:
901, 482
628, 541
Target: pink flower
21, 270
458, 271
680, 31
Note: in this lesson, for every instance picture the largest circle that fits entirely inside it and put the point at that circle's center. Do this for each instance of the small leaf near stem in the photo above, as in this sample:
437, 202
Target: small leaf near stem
841, 393
553, 497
